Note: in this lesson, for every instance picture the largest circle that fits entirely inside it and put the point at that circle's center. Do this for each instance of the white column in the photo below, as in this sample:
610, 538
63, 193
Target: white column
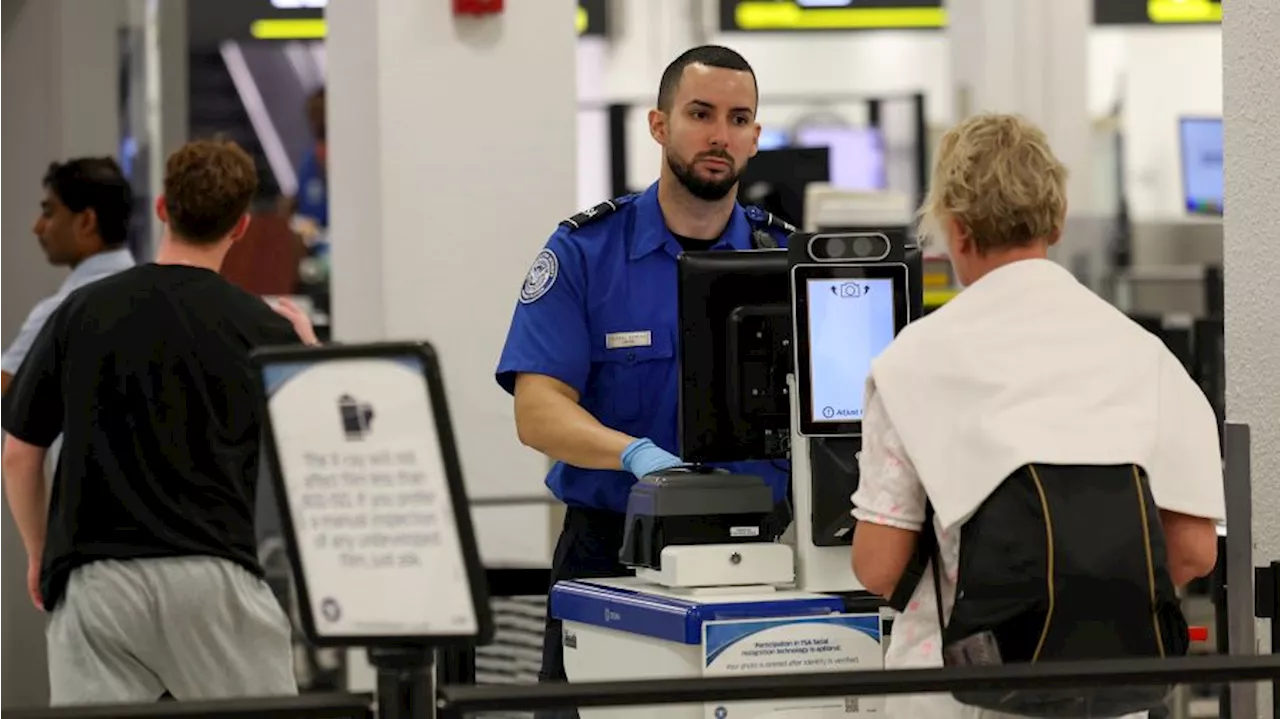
1251, 102
60, 89
452, 158
452, 150
1031, 58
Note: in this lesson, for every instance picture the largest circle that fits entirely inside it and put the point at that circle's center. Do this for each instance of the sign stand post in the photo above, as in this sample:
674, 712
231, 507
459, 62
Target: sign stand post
376, 519
406, 682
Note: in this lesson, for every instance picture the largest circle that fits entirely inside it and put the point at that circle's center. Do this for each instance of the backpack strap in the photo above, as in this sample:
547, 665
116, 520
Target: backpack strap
935, 561
925, 556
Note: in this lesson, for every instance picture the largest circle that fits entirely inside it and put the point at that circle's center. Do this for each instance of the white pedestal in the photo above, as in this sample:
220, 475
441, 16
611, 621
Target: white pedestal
625, 628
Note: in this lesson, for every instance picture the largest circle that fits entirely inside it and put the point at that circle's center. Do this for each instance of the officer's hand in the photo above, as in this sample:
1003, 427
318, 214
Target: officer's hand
643, 457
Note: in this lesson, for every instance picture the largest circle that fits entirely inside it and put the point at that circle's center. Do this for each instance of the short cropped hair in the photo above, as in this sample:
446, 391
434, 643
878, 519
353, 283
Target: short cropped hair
208, 186
98, 184
709, 55
997, 176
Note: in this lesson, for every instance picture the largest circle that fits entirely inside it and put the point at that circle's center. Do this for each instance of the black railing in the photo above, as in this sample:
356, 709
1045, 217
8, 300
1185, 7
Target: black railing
306, 706
458, 665
456, 702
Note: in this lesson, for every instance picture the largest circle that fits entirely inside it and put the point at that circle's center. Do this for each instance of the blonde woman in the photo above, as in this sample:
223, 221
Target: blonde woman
1024, 368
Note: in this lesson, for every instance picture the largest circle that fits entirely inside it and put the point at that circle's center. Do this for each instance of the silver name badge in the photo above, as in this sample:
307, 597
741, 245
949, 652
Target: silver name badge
621, 340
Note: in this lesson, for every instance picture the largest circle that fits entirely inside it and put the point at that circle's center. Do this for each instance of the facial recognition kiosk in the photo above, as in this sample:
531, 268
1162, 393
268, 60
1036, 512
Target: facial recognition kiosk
376, 519
775, 348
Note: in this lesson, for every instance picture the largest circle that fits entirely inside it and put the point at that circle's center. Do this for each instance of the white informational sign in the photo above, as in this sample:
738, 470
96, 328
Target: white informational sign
793, 645
368, 498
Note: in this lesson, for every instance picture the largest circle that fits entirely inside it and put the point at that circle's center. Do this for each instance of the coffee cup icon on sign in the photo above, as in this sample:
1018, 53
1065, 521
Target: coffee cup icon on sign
356, 417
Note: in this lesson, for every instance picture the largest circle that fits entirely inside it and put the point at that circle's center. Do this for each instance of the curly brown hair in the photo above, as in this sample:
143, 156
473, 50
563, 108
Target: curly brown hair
208, 185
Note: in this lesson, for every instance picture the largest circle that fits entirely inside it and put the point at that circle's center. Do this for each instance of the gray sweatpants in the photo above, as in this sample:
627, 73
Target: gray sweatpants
199, 627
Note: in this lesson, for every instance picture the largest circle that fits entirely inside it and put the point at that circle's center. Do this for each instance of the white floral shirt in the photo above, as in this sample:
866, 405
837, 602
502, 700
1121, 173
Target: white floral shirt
890, 493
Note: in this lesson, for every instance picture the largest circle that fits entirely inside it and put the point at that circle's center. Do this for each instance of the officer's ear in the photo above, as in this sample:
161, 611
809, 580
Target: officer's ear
658, 126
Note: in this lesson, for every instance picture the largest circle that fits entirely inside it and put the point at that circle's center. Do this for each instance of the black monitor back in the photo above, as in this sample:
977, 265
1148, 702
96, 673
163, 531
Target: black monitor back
775, 180
735, 353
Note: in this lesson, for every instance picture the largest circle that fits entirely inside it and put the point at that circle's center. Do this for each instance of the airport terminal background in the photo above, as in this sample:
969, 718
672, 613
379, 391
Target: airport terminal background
448, 174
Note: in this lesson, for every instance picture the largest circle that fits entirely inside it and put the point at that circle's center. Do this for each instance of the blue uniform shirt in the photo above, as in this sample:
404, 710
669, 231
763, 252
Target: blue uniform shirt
598, 311
313, 190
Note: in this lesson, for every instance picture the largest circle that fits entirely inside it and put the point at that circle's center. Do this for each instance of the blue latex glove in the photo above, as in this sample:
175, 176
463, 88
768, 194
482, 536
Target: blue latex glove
643, 457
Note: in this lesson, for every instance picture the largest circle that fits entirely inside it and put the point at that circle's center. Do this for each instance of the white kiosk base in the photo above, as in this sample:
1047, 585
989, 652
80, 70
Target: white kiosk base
629, 628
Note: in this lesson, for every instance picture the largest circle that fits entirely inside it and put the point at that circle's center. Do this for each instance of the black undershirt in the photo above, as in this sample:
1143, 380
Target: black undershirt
689, 244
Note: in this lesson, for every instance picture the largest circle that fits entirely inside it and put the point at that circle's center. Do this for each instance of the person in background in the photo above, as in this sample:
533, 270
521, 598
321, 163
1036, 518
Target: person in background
83, 224
1038, 369
591, 355
146, 557
308, 210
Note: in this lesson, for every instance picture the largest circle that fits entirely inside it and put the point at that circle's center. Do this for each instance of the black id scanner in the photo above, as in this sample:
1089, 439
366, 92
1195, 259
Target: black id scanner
699, 526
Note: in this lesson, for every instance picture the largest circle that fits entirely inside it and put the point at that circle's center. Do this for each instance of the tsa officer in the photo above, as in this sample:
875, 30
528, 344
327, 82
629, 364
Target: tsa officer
591, 355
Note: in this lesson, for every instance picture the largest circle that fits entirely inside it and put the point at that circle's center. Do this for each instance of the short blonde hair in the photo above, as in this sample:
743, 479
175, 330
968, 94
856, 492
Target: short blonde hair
997, 176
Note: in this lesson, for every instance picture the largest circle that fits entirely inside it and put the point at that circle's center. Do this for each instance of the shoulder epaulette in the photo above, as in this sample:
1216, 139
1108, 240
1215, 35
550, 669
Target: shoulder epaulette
768, 219
591, 214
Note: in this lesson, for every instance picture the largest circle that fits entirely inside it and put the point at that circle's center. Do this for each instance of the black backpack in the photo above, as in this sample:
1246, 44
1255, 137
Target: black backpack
1060, 563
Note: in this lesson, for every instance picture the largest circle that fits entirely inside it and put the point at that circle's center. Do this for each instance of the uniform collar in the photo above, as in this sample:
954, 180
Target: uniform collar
651, 233
105, 262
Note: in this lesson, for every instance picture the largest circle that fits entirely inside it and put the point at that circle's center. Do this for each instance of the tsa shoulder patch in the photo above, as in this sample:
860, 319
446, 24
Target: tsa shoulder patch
542, 276
591, 214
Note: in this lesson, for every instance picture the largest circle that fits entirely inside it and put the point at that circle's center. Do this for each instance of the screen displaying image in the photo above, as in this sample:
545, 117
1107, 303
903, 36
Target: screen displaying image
850, 323
368, 498
1202, 165
856, 155
774, 138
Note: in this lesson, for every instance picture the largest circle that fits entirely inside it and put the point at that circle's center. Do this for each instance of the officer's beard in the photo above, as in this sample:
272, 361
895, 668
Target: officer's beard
708, 190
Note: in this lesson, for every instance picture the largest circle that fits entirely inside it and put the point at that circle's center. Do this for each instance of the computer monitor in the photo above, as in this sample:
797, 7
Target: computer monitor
776, 180
855, 155
845, 315
773, 138
1200, 140
735, 353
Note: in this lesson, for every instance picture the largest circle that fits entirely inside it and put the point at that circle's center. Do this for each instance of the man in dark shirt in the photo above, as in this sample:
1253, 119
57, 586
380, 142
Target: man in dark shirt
145, 556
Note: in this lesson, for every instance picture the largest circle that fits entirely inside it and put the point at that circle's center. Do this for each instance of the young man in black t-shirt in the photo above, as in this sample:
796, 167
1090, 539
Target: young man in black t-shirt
146, 556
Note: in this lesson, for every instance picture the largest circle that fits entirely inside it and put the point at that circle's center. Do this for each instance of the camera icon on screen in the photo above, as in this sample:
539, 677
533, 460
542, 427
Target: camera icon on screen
356, 416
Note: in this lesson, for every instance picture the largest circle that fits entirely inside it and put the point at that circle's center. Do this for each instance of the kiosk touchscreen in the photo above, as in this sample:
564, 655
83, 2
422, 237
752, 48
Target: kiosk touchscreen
371, 496
845, 316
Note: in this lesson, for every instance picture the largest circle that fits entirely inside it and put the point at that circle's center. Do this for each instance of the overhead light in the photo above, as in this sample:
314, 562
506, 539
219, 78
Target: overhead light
286, 29
795, 15
315, 28
1184, 11
299, 4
